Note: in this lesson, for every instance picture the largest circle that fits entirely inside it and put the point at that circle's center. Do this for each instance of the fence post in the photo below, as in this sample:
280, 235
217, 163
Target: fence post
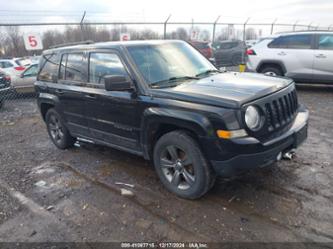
309, 27
165, 26
272, 27
244, 39
81, 26
329, 27
214, 28
294, 27
244, 29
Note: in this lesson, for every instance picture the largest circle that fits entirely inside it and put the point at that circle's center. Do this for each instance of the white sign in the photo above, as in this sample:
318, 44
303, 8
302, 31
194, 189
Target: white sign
125, 37
32, 42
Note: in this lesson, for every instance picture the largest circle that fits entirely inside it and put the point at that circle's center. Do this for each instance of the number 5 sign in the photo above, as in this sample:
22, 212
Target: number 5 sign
32, 42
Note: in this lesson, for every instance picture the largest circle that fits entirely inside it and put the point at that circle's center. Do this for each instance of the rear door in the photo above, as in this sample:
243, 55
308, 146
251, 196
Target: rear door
70, 91
323, 58
113, 115
296, 52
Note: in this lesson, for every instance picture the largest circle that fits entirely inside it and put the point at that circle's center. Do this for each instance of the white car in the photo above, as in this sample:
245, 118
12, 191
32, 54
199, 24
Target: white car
14, 67
303, 56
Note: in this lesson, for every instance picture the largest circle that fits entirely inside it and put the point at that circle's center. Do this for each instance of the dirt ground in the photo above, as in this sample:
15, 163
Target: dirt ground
75, 195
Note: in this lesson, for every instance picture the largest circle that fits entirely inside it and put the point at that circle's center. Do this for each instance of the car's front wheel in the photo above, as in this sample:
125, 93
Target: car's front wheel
58, 132
272, 71
181, 166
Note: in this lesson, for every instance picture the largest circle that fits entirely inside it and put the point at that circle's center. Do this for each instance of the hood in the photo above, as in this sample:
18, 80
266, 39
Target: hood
229, 89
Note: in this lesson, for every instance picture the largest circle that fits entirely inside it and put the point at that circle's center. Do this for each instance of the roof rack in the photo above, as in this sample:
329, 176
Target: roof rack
72, 44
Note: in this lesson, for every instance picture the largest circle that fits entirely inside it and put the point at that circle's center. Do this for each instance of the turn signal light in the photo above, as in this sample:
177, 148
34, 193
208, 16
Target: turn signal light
231, 134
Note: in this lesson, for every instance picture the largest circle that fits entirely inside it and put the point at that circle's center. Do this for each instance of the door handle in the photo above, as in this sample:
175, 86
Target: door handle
282, 53
90, 96
321, 56
58, 91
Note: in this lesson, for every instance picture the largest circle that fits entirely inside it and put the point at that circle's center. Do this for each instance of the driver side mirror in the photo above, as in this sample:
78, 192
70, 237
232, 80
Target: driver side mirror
117, 83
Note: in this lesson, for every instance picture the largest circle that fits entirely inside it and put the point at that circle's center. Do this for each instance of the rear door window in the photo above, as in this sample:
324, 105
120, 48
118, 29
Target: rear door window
292, 42
325, 42
73, 67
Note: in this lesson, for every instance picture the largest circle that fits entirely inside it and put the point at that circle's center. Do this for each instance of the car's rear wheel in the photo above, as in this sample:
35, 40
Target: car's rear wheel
181, 166
58, 132
272, 71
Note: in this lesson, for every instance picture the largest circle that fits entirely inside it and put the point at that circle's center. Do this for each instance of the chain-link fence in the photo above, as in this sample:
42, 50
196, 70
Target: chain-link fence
210, 32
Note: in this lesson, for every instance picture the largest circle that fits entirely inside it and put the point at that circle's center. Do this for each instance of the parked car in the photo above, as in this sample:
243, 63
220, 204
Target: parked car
25, 82
5, 88
229, 53
203, 47
13, 67
250, 43
165, 101
303, 56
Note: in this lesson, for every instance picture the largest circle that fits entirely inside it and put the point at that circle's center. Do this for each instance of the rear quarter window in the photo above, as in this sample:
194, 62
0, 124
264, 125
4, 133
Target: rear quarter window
49, 65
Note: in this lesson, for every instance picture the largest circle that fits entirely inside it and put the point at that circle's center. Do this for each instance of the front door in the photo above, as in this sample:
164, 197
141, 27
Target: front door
112, 115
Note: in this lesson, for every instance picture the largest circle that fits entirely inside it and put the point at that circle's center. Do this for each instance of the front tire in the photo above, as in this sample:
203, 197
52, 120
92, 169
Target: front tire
57, 130
272, 71
181, 166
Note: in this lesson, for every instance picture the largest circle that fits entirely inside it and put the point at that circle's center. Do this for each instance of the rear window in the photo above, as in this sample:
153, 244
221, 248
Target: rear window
325, 42
292, 42
23, 62
49, 67
200, 45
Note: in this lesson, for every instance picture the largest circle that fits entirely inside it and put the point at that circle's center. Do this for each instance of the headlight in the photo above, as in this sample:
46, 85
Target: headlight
252, 117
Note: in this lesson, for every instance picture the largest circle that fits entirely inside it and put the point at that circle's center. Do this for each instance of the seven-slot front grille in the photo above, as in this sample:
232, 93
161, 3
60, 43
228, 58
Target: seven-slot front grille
281, 111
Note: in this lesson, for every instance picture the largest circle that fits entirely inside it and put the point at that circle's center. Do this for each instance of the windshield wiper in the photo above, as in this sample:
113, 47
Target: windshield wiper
166, 82
209, 71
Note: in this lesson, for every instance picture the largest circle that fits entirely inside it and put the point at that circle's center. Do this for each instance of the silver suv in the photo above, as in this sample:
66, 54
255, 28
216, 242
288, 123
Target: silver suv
303, 56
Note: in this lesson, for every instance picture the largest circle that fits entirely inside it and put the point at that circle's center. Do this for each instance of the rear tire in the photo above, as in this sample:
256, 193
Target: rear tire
181, 166
57, 130
272, 71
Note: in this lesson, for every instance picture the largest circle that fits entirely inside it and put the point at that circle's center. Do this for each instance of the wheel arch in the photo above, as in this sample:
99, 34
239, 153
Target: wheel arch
159, 121
274, 63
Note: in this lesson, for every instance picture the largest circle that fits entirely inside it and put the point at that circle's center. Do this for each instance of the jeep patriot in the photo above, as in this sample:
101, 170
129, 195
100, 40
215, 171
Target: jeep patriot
166, 102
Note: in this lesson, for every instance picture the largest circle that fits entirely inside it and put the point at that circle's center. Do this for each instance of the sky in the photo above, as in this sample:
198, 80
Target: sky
319, 12
306, 12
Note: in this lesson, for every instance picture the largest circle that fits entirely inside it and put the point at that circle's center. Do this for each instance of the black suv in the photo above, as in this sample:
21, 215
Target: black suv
164, 101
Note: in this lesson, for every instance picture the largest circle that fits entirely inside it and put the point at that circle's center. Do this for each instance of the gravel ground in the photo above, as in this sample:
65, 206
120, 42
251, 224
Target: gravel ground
75, 195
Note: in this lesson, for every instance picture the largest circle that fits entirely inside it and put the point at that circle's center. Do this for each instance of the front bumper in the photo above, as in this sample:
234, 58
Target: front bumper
263, 154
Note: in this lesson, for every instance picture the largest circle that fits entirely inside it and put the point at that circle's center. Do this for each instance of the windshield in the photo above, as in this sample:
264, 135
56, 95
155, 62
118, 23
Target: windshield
167, 62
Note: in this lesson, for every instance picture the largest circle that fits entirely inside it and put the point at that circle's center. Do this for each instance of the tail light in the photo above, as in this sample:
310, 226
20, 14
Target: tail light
250, 52
20, 68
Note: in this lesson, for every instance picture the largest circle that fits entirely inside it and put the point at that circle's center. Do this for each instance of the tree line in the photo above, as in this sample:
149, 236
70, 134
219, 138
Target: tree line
12, 44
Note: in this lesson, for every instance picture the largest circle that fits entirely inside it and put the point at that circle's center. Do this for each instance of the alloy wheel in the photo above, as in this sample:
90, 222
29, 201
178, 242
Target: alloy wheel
177, 167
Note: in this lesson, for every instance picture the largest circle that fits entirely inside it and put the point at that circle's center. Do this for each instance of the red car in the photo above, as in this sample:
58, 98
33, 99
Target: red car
203, 48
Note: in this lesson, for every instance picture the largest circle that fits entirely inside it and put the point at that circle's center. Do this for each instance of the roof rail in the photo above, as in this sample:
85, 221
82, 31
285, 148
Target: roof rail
72, 44
305, 31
